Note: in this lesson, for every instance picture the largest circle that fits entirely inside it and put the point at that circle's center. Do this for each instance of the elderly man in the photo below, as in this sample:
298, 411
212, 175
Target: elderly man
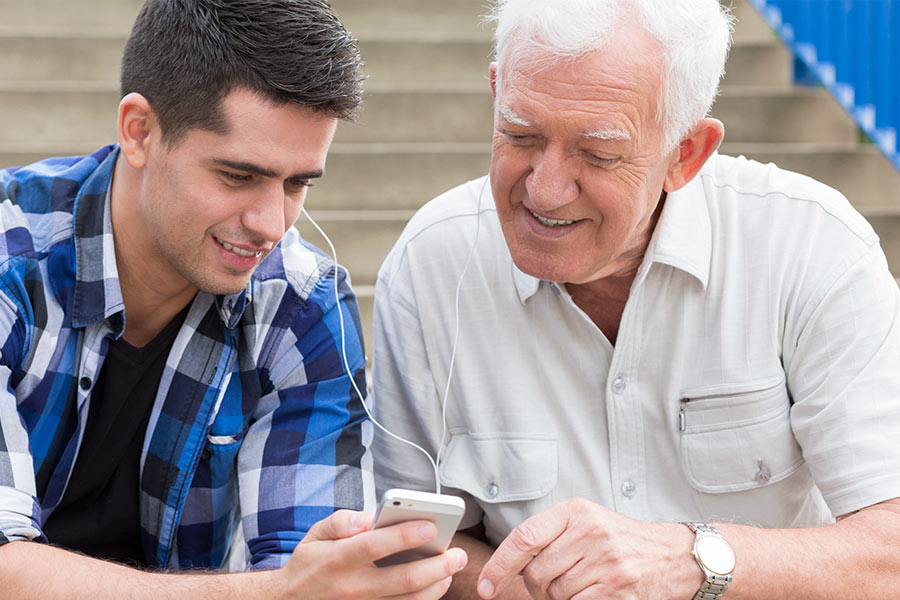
651, 371
178, 364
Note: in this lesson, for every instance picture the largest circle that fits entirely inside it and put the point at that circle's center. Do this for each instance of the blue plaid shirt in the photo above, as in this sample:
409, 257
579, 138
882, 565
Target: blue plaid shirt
254, 422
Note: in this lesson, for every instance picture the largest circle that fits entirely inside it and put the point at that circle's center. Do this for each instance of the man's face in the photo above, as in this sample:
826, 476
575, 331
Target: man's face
577, 168
213, 205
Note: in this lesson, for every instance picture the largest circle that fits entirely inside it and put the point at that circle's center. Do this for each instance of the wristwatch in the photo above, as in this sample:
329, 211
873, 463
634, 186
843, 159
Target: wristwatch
716, 559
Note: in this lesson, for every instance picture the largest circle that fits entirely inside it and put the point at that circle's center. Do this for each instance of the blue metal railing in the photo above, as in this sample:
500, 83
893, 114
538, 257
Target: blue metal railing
852, 47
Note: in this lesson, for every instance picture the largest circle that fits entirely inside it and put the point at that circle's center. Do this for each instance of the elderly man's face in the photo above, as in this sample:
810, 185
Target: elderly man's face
578, 164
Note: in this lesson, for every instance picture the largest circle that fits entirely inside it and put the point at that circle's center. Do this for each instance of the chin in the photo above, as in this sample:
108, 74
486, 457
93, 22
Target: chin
222, 287
544, 270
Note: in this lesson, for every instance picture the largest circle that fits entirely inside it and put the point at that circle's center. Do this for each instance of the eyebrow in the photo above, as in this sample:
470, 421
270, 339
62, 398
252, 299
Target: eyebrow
610, 133
508, 114
248, 167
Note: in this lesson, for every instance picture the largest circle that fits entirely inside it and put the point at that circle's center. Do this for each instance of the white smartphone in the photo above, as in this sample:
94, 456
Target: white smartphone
398, 505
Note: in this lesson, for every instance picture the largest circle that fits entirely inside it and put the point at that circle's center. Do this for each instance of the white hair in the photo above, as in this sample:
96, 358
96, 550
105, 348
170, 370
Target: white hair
695, 36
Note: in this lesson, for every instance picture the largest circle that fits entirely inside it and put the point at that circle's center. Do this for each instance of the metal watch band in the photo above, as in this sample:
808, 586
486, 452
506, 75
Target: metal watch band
714, 587
701, 527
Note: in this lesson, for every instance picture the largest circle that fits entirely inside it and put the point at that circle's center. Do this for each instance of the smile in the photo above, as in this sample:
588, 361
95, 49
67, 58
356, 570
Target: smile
238, 251
550, 222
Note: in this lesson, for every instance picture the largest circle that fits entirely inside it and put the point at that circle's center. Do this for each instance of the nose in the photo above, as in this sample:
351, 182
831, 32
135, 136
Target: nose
552, 182
264, 215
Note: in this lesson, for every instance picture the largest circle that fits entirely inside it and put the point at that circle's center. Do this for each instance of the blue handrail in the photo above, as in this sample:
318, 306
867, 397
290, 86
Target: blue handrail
852, 47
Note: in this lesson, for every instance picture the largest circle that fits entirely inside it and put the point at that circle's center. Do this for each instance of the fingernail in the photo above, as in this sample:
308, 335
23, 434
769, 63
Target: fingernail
485, 588
427, 531
461, 558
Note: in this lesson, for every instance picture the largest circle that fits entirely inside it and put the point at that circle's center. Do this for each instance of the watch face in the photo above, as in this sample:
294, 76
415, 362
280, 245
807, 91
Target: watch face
715, 554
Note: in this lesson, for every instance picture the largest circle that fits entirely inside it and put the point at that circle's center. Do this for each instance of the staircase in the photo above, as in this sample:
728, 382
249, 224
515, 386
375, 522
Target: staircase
426, 122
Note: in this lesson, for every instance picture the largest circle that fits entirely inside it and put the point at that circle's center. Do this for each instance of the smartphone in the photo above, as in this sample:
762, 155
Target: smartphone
398, 505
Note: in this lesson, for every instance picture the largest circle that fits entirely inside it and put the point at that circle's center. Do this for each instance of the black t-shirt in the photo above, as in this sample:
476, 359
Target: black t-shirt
99, 512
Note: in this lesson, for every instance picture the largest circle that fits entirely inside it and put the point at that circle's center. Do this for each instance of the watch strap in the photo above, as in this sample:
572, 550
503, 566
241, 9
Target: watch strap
715, 585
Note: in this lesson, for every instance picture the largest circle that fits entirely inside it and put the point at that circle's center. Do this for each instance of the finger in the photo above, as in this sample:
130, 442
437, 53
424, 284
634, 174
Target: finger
550, 565
436, 590
423, 574
519, 548
379, 543
573, 581
342, 524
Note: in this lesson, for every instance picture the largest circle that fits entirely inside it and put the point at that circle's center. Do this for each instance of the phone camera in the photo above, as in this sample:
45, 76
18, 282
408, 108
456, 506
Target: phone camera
396, 503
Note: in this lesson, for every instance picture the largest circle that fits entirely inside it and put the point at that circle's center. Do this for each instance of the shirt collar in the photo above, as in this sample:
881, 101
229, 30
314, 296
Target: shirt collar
98, 295
683, 239
97, 292
683, 236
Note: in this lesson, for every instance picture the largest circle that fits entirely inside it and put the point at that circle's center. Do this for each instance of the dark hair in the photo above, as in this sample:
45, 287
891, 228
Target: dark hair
186, 56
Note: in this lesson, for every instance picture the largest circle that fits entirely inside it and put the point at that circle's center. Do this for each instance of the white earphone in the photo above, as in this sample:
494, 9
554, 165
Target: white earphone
436, 461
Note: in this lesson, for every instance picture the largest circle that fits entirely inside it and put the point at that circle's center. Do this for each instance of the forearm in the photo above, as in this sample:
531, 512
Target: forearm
39, 572
855, 557
464, 586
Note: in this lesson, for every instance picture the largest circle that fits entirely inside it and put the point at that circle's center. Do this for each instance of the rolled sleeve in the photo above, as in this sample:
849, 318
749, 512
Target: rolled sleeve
20, 511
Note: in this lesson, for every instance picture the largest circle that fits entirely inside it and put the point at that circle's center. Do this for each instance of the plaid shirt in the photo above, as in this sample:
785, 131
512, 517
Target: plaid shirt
254, 421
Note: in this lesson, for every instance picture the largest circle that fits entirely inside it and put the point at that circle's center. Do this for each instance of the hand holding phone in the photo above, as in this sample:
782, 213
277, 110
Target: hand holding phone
399, 505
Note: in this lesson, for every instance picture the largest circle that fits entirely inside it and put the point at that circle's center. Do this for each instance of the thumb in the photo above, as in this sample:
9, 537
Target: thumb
342, 524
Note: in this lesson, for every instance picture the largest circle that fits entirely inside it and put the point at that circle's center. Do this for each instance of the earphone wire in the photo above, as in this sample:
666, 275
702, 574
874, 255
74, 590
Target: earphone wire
435, 462
346, 364
456, 332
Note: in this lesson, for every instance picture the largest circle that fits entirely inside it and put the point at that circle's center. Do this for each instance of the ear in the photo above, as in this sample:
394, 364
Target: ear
693, 152
493, 76
136, 123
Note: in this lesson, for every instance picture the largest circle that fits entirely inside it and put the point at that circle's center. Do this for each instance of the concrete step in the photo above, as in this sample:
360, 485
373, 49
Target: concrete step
44, 56
360, 16
749, 25
886, 221
395, 176
66, 16
362, 238
465, 16
443, 60
420, 59
766, 63
58, 113
393, 16
773, 115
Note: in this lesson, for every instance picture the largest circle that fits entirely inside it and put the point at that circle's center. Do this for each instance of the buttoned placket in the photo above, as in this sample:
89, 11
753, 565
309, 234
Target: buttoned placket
624, 409
90, 360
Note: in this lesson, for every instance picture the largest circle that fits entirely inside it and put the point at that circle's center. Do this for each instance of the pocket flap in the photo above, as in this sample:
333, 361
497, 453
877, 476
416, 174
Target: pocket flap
740, 440
500, 467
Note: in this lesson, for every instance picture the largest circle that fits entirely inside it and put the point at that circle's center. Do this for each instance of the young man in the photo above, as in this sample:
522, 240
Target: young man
172, 351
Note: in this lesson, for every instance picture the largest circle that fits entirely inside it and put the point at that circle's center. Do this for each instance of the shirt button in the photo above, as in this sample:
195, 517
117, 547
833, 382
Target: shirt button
618, 386
85, 383
764, 474
628, 488
491, 490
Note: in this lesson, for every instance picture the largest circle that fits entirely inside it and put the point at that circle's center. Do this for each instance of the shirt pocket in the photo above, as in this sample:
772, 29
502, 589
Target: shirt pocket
738, 437
510, 476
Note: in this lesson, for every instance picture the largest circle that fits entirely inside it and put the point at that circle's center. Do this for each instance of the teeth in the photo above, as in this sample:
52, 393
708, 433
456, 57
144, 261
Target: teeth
550, 222
238, 251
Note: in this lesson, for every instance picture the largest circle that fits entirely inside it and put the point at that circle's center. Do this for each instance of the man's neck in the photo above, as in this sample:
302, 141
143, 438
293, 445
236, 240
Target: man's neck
603, 301
152, 299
